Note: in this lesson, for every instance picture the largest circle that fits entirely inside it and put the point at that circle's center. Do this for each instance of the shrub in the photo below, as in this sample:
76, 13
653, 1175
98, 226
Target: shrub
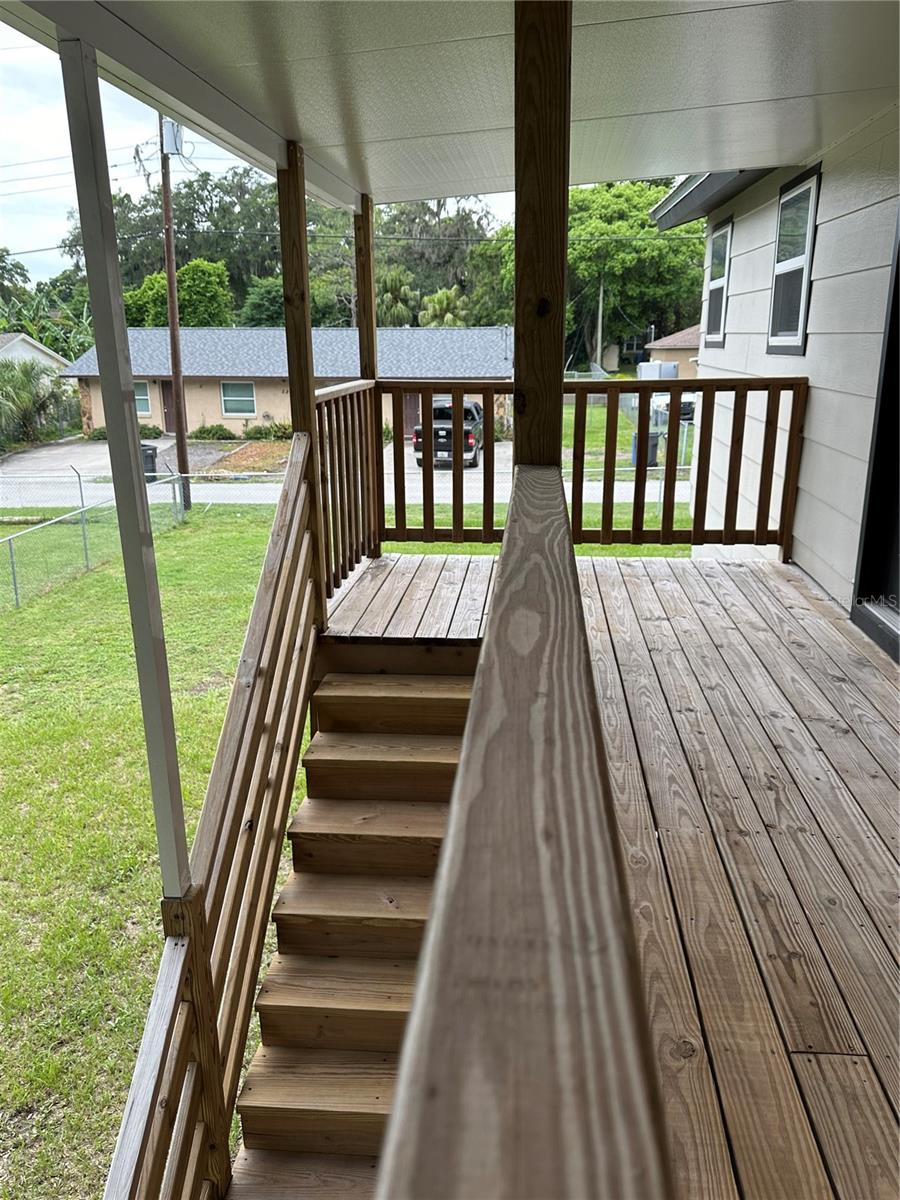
387, 433
275, 431
150, 431
97, 434
213, 433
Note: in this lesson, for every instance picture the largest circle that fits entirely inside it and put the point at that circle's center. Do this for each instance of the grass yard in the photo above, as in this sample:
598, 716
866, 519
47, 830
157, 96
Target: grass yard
79, 881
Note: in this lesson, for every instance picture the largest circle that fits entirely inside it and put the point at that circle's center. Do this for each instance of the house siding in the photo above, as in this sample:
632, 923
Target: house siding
856, 225
687, 367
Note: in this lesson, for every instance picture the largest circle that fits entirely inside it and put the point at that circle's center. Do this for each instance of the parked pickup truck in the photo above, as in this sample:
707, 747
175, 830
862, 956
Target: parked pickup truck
442, 419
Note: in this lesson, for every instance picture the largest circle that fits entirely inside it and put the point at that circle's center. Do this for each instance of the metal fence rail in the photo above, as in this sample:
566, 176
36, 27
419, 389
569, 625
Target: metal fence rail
35, 558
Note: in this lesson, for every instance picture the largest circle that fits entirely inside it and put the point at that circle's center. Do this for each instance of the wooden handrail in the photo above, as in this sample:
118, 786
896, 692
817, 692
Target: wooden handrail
174, 1135
526, 1069
334, 390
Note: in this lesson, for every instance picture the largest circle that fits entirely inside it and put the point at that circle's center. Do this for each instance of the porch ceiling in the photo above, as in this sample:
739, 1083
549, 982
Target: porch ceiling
405, 100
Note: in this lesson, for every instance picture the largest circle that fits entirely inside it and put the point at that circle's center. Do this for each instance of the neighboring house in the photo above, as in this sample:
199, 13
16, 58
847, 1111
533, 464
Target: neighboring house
817, 307
19, 346
680, 348
236, 377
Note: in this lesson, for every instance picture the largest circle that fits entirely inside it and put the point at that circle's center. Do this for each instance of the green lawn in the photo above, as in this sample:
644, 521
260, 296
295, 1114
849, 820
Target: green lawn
79, 883
595, 431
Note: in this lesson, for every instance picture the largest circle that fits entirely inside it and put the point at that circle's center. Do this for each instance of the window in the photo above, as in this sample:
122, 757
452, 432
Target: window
793, 261
239, 399
142, 397
717, 293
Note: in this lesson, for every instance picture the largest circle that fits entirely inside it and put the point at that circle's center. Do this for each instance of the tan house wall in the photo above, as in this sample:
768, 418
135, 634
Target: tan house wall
856, 223
686, 368
203, 404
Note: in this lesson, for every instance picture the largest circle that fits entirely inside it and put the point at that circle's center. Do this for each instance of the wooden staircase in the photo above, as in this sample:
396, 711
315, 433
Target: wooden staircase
350, 920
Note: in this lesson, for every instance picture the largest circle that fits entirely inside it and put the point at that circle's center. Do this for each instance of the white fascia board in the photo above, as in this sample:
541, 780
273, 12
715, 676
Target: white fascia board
142, 69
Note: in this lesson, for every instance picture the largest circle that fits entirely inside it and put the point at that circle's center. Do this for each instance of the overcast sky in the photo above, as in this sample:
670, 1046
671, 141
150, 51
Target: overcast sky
37, 189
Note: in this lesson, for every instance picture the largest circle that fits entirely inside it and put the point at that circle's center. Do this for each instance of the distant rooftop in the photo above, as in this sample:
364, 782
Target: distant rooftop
684, 339
441, 353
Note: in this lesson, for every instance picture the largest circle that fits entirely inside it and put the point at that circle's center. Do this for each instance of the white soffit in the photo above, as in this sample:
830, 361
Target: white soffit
411, 100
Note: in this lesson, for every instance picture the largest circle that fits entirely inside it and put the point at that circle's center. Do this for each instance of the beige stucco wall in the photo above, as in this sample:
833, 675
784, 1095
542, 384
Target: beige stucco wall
856, 222
686, 368
203, 404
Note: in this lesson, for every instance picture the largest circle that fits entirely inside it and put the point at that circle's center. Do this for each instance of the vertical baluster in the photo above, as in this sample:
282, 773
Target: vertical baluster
671, 468
792, 468
327, 543
640, 470
345, 461
487, 467
609, 461
399, 466
578, 438
334, 486
704, 450
379, 451
767, 464
732, 491
355, 505
426, 400
365, 456
458, 402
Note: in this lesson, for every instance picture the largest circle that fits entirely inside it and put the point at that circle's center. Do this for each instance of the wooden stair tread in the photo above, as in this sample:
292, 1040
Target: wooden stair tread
403, 749
371, 818
277, 1175
354, 897
421, 688
293, 1079
340, 983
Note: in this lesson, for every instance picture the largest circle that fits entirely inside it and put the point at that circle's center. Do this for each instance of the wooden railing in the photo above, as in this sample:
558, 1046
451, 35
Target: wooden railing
638, 419
350, 464
526, 1069
173, 1140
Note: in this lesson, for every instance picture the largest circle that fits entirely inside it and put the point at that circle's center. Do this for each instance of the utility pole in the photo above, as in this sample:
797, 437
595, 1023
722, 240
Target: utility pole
181, 453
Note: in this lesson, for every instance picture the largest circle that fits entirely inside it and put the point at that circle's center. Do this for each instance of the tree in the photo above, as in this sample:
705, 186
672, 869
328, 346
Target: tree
396, 302
204, 294
446, 307
264, 305
491, 271
646, 277
13, 277
431, 239
204, 297
58, 327
31, 396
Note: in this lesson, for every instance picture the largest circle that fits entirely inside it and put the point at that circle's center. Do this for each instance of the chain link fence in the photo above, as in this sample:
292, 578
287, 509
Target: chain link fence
37, 557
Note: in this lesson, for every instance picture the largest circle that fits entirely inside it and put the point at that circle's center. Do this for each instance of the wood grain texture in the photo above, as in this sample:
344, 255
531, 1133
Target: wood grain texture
274, 1175
364, 251
609, 462
735, 462
767, 464
854, 1124
543, 53
457, 449
799, 395
531, 947
704, 447
392, 703
470, 606
408, 613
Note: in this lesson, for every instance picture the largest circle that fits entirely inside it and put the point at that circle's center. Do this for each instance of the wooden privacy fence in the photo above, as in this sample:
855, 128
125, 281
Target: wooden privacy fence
593, 466
173, 1140
348, 428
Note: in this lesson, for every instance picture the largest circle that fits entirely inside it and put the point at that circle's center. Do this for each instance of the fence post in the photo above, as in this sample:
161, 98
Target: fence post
84, 536
12, 568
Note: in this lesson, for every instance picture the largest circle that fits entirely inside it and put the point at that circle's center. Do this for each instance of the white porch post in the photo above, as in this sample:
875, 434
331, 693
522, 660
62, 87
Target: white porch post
98, 230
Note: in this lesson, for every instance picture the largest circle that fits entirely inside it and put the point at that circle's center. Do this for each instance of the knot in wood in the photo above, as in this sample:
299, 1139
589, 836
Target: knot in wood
519, 402
543, 307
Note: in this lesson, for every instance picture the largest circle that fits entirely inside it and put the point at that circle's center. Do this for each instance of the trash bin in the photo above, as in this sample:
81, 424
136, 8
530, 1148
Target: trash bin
148, 454
652, 449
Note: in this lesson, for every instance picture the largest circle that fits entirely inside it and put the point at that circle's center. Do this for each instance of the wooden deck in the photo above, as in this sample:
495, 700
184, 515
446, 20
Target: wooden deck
752, 737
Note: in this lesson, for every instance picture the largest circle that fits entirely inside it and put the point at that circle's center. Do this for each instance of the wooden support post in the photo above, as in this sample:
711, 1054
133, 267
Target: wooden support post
98, 231
298, 331
364, 243
186, 918
543, 32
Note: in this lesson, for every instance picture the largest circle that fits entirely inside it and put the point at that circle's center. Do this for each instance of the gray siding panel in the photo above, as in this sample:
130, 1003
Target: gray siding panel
856, 224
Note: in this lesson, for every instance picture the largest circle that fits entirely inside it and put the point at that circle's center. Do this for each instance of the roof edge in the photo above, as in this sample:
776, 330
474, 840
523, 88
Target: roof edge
699, 195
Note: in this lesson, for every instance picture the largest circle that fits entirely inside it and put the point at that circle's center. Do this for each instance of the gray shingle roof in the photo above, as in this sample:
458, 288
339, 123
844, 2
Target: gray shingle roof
260, 354
684, 339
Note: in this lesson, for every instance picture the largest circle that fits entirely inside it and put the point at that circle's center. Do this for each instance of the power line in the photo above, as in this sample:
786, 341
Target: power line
31, 162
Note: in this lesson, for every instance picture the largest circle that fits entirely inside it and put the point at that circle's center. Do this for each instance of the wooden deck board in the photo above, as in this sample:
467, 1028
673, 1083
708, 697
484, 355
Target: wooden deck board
751, 737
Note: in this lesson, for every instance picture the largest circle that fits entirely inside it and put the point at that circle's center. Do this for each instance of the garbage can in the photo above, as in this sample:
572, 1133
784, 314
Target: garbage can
148, 454
652, 449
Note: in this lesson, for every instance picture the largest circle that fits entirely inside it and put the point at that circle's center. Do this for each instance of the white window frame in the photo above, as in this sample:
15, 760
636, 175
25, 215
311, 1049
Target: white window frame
795, 343
142, 412
223, 383
715, 339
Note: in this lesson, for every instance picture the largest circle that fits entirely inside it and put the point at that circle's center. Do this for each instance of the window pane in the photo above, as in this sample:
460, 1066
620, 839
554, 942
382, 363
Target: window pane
238, 399
714, 312
142, 398
719, 255
443, 414
792, 226
786, 303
